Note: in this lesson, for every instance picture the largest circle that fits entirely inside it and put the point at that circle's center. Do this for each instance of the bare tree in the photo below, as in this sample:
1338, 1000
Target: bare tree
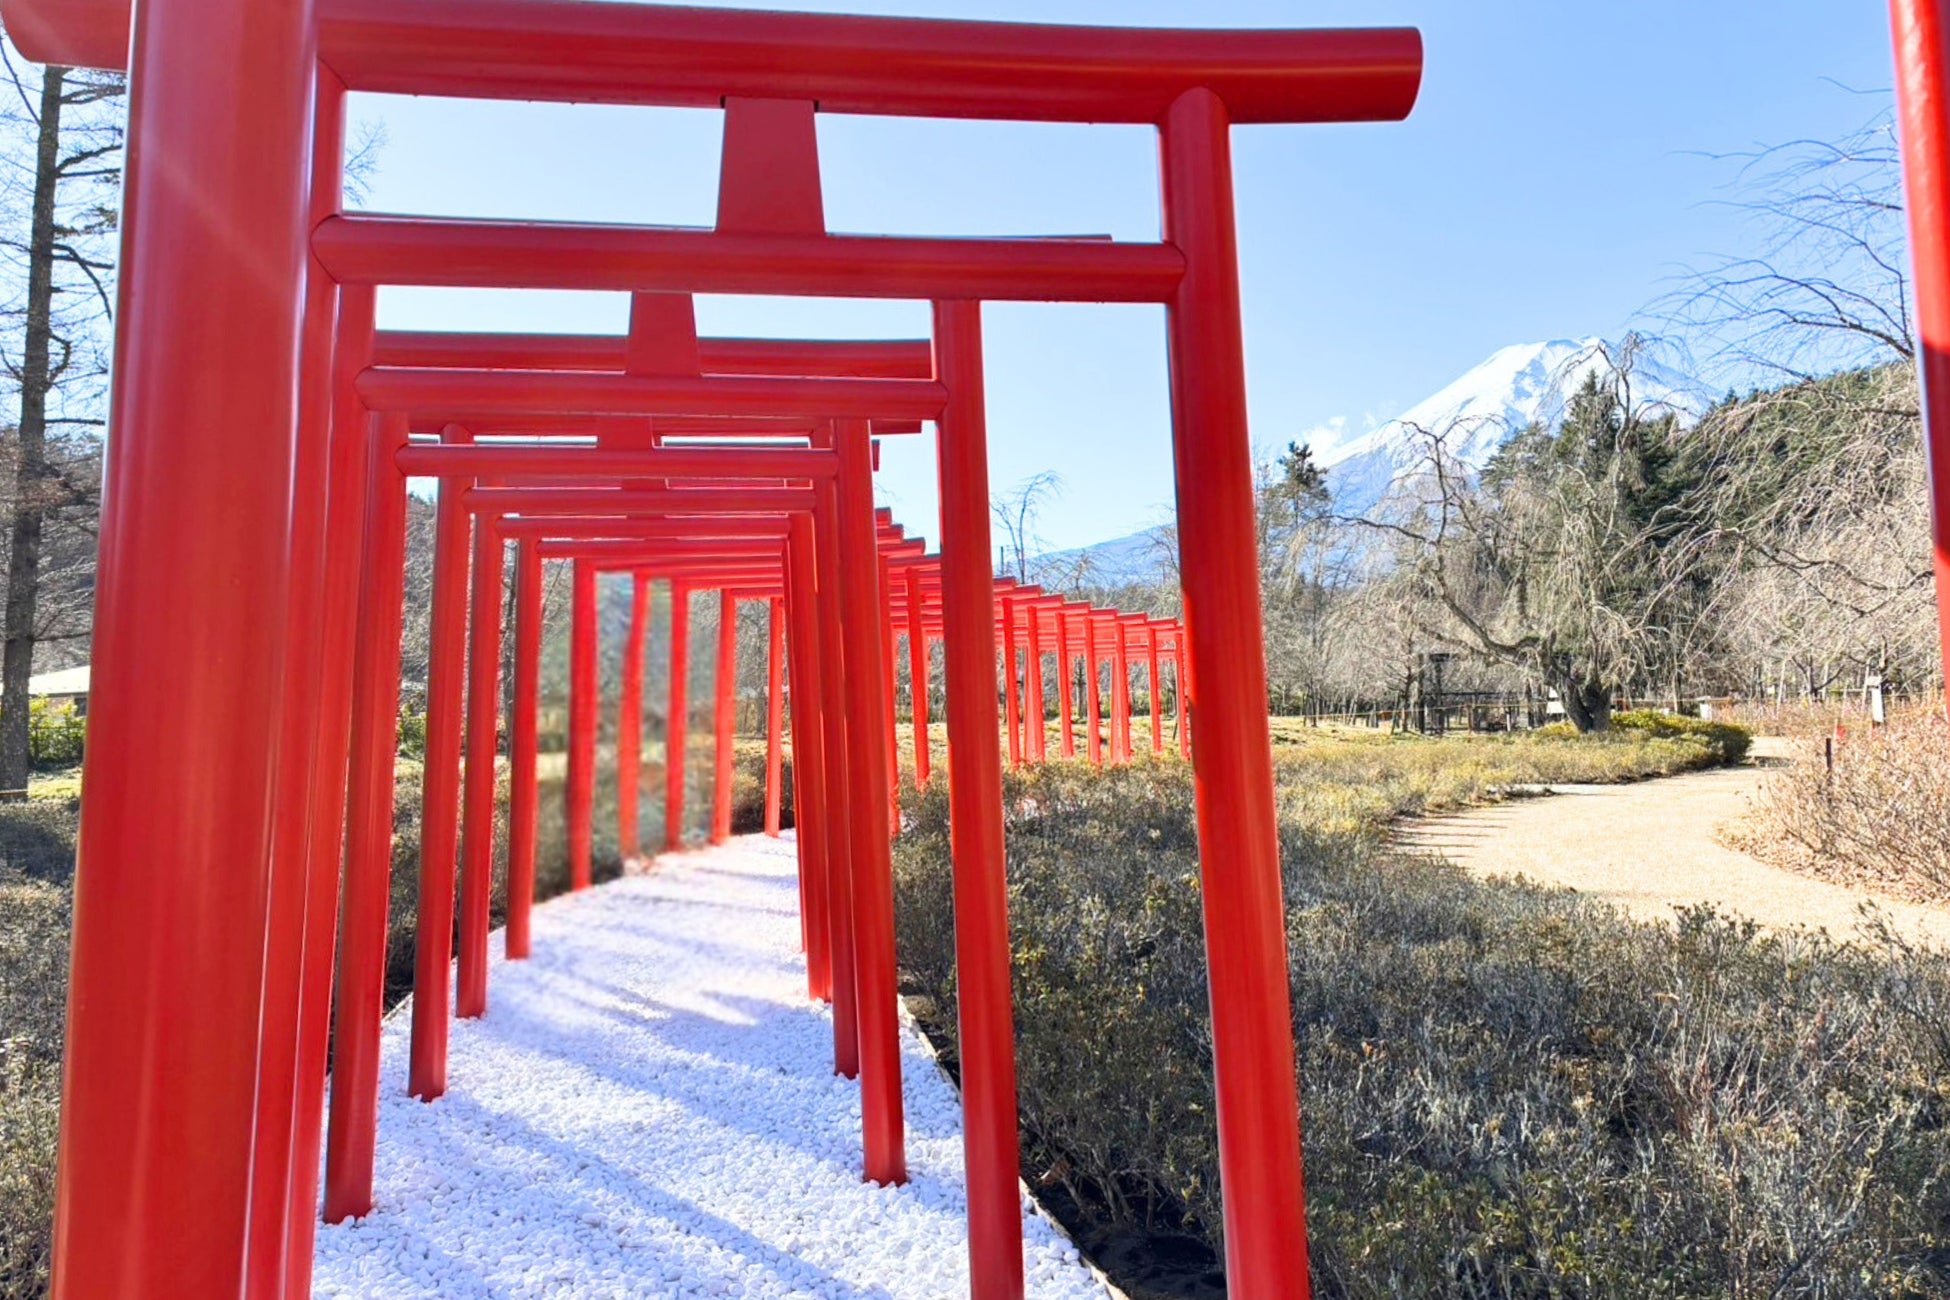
1826, 287
66, 164
1570, 558
1016, 513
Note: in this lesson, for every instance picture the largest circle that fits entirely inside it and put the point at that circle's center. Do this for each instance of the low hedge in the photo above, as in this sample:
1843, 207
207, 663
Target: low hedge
1726, 740
1506, 1091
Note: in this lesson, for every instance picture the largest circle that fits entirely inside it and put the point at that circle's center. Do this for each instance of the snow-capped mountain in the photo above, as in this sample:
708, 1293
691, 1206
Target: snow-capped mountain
1524, 384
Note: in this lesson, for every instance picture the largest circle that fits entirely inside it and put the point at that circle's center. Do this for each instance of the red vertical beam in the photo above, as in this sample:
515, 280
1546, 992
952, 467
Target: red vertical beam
1033, 688
283, 993
578, 790
351, 445
986, 1028
169, 959
1157, 689
483, 735
343, 490
918, 675
889, 645
1120, 694
677, 716
433, 947
629, 723
842, 740
1922, 39
724, 716
1245, 932
1065, 707
522, 801
1181, 700
876, 994
360, 1000
775, 716
1011, 719
812, 813
1093, 698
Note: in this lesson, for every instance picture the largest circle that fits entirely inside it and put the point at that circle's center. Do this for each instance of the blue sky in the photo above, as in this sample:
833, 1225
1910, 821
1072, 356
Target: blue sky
1554, 178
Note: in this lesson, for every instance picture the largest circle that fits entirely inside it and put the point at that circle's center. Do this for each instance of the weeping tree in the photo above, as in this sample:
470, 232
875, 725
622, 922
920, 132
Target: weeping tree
1571, 557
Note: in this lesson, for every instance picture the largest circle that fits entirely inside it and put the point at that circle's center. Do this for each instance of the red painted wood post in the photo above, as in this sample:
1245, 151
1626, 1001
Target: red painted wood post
579, 787
890, 656
1065, 706
919, 675
1181, 700
677, 716
812, 815
724, 686
1120, 693
877, 999
1011, 718
522, 801
775, 716
986, 1022
483, 735
351, 446
629, 724
272, 1170
169, 961
1245, 932
1922, 31
360, 999
292, 1035
433, 947
1156, 681
842, 736
1093, 700
1033, 685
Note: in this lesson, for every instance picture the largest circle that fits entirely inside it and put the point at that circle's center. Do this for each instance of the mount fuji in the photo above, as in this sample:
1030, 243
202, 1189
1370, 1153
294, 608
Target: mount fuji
1520, 385
1517, 386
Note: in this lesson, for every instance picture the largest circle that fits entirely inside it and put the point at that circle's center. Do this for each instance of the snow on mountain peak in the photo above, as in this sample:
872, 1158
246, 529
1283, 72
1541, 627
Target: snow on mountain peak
1517, 386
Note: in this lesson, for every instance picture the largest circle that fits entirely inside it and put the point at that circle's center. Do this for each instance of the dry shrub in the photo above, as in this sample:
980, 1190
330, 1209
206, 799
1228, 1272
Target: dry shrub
34, 918
1881, 817
1508, 1092
1812, 719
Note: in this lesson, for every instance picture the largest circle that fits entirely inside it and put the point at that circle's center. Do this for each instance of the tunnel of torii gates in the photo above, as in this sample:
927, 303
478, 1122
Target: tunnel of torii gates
252, 531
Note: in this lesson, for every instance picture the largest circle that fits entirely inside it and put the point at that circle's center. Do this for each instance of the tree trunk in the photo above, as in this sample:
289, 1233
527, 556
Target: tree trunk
1587, 704
31, 477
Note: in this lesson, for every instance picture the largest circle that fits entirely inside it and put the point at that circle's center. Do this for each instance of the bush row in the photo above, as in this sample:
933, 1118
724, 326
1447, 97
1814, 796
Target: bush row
1507, 1092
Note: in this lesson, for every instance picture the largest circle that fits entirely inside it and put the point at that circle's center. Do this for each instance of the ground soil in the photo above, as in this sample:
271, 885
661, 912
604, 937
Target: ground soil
1651, 847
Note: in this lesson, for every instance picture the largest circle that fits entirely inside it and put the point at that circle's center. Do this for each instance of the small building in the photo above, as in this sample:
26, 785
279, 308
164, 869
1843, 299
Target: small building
66, 686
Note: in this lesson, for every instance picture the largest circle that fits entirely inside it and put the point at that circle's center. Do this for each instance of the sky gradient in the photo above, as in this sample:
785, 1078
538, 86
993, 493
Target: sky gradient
1565, 162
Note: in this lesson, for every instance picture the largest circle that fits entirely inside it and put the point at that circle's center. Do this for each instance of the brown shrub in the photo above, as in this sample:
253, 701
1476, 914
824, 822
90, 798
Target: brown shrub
1881, 817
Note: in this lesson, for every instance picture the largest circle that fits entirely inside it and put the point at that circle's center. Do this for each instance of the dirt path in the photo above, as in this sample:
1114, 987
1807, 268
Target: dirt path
1650, 847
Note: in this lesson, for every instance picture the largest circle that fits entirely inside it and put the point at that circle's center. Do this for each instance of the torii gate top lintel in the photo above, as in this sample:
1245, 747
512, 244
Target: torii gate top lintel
583, 51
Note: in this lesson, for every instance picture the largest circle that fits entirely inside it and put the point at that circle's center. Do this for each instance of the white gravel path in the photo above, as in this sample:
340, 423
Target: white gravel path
649, 1109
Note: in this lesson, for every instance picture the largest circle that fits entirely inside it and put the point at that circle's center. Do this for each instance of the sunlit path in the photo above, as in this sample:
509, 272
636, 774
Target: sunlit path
649, 1109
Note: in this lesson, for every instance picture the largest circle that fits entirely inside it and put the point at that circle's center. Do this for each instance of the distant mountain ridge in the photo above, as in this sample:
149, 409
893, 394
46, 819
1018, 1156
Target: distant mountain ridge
1133, 559
1515, 387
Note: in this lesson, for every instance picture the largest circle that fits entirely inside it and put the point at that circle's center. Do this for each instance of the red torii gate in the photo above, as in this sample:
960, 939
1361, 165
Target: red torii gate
213, 809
